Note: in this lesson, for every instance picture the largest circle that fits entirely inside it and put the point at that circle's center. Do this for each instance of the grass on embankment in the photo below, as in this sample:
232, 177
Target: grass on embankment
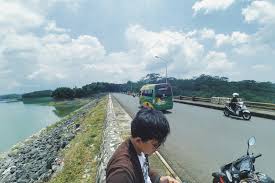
80, 163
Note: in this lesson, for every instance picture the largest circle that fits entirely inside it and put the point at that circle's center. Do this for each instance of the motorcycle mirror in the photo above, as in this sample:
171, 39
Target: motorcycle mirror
251, 141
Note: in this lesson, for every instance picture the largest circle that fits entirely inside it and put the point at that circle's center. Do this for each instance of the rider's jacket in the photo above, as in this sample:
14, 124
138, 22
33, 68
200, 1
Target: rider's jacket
234, 100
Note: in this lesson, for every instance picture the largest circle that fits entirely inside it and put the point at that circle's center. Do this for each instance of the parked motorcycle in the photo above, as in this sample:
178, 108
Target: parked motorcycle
242, 170
241, 111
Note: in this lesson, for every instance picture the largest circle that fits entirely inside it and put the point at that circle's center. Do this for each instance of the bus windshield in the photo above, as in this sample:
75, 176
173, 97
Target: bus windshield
163, 90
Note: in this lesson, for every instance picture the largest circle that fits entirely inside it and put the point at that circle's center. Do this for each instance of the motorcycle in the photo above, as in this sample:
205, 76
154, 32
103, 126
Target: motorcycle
242, 170
241, 111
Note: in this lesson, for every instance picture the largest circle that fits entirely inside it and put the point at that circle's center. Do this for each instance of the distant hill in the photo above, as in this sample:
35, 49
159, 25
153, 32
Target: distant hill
37, 94
10, 97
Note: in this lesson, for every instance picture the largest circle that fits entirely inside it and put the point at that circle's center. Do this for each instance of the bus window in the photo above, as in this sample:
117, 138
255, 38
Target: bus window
148, 93
143, 93
163, 91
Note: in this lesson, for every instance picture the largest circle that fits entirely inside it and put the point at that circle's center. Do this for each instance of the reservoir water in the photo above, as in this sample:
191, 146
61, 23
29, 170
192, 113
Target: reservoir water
18, 121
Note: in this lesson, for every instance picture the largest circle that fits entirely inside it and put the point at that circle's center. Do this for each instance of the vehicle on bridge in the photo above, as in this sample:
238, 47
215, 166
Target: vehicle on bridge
240, 111
242, 170
156, 96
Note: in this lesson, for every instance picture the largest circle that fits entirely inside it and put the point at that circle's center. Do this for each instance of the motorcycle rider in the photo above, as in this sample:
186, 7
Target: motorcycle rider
233, 102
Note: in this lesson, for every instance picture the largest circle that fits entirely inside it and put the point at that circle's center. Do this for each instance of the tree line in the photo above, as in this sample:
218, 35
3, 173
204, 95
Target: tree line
42, 93
202, 86
85, 91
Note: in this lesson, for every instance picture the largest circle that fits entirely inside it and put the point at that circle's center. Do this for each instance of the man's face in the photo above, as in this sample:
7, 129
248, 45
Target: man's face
149, 147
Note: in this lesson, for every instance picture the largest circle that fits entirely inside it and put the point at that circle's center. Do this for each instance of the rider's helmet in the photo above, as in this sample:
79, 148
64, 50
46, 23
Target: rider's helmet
235, 95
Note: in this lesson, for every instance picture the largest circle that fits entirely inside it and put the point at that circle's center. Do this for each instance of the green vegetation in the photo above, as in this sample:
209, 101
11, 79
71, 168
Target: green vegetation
63, 93
9, 97
38, 100
80, 158
202, 86
85, 91
38, 94
210, 86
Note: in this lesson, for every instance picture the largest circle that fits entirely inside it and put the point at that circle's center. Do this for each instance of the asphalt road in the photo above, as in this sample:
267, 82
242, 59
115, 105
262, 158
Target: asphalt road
203, 139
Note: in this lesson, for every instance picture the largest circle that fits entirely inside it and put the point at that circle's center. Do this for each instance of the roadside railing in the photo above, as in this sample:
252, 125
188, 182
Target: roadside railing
267, 106
222, 100
193, 98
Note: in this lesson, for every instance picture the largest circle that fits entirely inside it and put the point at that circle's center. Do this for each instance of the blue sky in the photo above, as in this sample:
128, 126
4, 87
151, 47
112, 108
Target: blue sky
47, 44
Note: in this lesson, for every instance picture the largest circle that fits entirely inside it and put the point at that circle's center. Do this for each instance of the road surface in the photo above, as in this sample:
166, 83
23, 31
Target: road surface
203, 139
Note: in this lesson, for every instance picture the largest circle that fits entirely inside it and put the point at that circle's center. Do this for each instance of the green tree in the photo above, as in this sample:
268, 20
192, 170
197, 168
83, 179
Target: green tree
63, 93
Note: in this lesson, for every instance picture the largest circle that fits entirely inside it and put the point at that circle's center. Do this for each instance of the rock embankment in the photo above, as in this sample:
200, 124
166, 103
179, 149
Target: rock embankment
36, 159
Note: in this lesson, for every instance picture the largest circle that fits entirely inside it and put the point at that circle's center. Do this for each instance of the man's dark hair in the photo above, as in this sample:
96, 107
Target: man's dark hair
150, 124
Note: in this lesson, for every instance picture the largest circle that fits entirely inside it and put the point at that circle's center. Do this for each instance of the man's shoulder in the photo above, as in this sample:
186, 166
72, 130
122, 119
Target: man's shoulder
121, 162
122, 154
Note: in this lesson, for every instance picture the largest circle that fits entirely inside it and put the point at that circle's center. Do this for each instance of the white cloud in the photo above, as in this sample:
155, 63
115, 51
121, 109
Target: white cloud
71, 4
201, 34
162, 43
51, 27
181, 52
207, 33
262, 12
43, 6
52, 59
211, 5
234, 39
64, 59
184, 55
14, 15
255, 49
217, 63
55, 38
58, 59
261, 67
44, 55
262, 42
31, 14
13, 84
4, 72
14, 41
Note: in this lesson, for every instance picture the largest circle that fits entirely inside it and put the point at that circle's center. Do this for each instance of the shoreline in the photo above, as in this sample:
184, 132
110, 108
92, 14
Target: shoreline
36, 158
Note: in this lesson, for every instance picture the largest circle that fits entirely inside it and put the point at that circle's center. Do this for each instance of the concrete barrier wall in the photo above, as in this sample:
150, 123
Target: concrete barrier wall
220, 100
223, 100
117, 127
217, 103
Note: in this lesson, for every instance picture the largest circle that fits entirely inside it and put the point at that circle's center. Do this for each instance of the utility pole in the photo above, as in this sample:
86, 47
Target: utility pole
165, 66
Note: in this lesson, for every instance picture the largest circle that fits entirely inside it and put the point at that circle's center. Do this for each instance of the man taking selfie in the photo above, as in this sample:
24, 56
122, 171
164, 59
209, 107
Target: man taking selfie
129, 163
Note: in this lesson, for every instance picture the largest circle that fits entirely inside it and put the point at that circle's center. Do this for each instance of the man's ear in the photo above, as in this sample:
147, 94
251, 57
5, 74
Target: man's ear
138, 140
